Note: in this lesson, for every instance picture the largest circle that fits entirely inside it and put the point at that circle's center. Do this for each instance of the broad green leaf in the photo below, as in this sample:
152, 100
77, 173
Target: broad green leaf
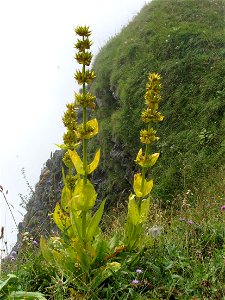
61, 219
6, 281
93, 165
133, 212
148, 187
83, 257
62, 146
66, 198
138, 189
102, 249
58, 258
84, 196
146, 161
46, 252
152, 159
77, 162
93, 224
66, 147
104, 272
76, 222
144, 210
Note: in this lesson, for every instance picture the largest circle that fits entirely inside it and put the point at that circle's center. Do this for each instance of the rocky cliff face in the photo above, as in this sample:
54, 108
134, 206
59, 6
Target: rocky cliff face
47, 193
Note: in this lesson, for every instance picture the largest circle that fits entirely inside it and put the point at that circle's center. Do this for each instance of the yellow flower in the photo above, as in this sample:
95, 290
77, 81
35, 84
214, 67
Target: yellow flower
148, 136
84, 58
70, 116
85, 100
82, 45
83, 31
154, 77
70, 138
86, 77
151, 115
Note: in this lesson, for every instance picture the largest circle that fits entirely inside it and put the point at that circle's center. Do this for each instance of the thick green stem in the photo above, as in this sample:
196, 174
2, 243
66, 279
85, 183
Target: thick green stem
85, 145
84, 213
85, 128
84, 223
144, 170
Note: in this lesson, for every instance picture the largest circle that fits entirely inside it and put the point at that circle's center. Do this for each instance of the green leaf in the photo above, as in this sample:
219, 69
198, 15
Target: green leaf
93, 224
77, 162
144, 210
138, 189
63, 176
93, 165
102, 249
67, 147
5, 282
66, 198
83, 257
27, 295
46, 252
59, 258
152, 159
133, 212
84, 196
61, 219
104, 272
76, 223
62, 146
146, 161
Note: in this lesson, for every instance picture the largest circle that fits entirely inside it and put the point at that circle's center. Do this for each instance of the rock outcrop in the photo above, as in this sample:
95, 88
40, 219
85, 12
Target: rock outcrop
38, 219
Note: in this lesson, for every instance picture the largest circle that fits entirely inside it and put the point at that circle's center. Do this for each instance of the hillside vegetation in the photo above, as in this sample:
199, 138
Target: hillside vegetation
184, 41
138, 249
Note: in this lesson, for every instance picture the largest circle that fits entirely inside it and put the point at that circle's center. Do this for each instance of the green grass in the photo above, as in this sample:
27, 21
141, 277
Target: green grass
182, 40
185, 261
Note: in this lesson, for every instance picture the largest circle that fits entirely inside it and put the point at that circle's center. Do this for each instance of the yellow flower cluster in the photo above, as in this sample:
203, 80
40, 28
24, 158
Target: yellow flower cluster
151, 113
83, 31
148, 136
84, 58
69, 121
85, 100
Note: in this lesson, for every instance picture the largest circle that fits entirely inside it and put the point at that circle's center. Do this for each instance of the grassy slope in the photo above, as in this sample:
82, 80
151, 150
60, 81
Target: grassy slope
184, 41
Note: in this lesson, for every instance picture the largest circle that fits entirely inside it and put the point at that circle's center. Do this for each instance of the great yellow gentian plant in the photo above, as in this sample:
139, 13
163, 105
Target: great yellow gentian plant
81, 252
81, 245
139, 201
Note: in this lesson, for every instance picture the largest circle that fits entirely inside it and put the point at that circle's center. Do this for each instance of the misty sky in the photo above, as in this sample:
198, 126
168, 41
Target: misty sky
36, 81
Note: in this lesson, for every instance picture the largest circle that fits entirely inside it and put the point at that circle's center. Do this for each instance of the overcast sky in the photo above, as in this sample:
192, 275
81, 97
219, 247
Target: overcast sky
36, 81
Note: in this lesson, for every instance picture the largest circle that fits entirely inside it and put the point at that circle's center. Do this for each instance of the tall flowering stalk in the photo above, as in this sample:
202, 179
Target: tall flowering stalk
139, 202
81, 239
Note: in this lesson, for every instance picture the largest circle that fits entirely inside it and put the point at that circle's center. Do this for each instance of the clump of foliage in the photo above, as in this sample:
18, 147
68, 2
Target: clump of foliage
82, 254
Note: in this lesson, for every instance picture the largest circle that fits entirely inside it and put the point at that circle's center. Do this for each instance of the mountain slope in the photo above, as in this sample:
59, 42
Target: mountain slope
184, 41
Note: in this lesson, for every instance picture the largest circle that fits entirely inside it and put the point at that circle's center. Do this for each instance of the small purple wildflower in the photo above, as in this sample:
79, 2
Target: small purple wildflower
139, 271
135, 281
35, 243
190, 222
182, 219
222, 208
